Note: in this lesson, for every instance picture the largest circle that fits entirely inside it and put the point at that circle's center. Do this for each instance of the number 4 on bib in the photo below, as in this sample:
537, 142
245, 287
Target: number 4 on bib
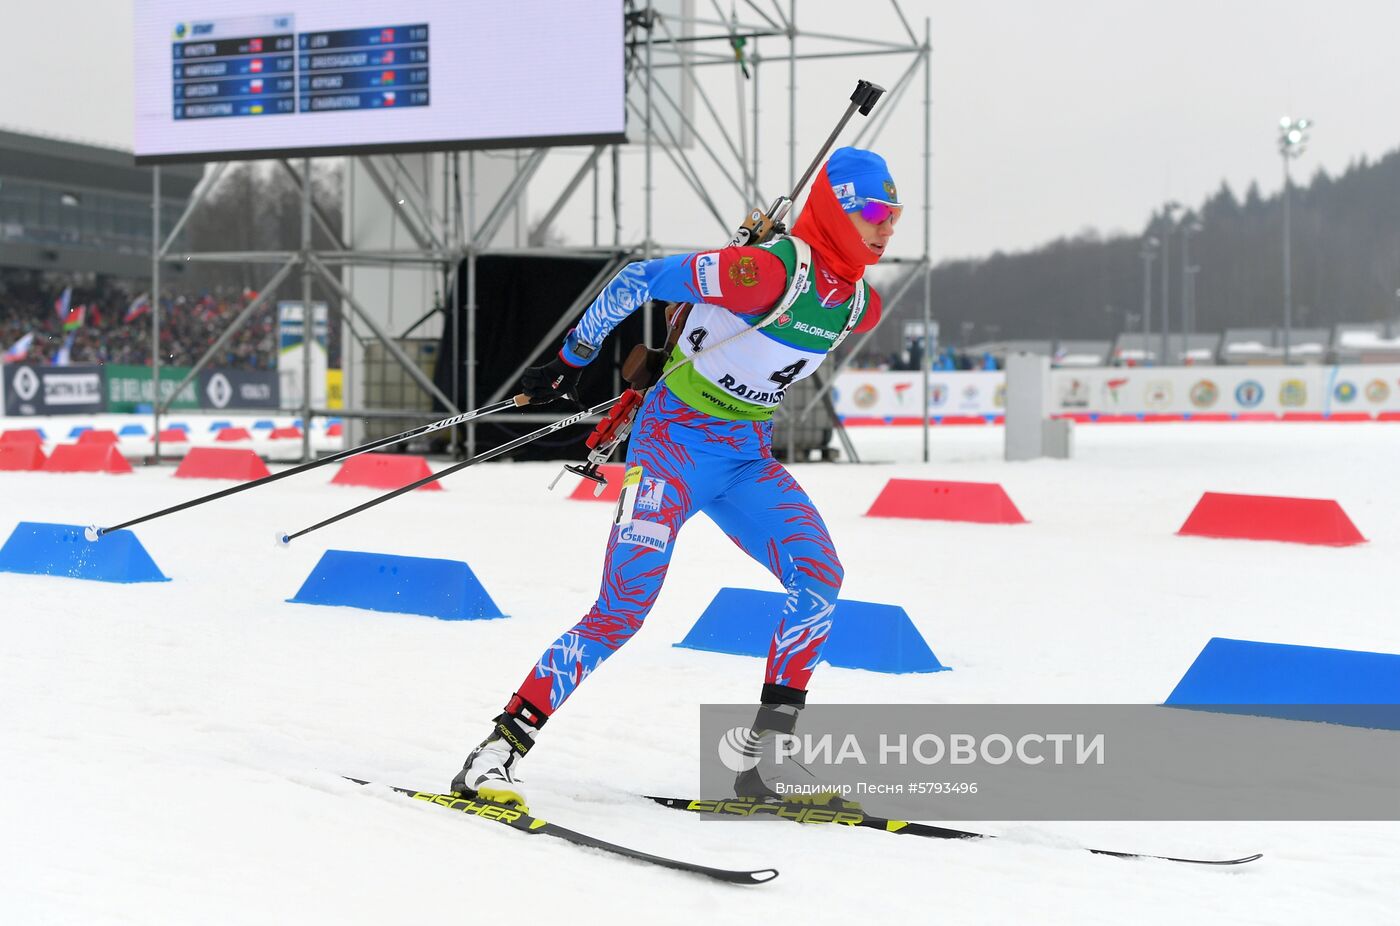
787, 374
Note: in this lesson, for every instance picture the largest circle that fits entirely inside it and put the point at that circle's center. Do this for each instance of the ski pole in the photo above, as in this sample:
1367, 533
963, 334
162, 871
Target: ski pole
284, 538
649, 364
93, 532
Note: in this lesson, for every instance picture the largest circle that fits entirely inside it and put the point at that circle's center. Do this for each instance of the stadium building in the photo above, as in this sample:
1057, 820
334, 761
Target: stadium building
82, 210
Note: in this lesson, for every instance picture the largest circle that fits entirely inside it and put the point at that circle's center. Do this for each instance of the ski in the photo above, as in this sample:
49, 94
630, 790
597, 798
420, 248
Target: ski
517, 819
846, 814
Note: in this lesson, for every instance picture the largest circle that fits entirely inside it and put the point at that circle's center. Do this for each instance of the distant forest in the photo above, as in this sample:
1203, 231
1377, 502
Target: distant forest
1346, 268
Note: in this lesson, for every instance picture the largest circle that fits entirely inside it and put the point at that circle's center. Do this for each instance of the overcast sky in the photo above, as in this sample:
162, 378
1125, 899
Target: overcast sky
1048, 117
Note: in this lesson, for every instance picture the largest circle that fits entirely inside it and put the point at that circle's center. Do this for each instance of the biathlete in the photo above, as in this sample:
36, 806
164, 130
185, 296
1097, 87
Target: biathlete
703, 442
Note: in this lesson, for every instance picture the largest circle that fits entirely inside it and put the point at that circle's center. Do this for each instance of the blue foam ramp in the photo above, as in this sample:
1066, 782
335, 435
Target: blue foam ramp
132, 430
178, 426
264, 424
1343, 686
42, 549
220, 425
864, 634
442, 588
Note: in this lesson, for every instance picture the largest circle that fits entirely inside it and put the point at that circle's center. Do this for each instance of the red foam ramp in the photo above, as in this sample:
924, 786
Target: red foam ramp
280, 433
102, 438
1388, 416
18, 457
222, 463
1268, 517
613, 473
932, 500
335, 430
172, 436
384, 471
227, 434
22, 436
86, 458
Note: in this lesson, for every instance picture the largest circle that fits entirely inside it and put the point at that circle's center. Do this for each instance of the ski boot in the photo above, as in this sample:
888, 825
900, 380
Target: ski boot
788, 782
490, 772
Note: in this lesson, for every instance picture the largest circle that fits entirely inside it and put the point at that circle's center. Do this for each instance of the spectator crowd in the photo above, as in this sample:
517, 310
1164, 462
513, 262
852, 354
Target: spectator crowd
189, 323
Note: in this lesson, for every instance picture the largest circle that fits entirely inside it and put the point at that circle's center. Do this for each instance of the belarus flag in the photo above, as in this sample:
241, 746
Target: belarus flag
139, 306
75, 318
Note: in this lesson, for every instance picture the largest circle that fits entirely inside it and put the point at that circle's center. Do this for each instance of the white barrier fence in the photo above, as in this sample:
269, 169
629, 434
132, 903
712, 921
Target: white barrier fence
870, 396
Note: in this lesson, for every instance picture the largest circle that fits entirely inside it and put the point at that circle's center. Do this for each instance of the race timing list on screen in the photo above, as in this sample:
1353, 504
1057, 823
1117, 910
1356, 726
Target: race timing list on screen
261, 66
313, 78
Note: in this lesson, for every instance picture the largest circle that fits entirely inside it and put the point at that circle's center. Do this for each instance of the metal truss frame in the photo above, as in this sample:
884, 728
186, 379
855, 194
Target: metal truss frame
444, 238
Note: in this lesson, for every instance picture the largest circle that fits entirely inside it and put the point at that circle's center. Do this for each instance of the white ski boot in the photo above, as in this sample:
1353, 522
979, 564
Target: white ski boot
490, 772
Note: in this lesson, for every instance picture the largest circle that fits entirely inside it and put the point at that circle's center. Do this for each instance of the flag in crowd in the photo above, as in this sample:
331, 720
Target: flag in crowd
139, 306
19, 350
60, 305
64, 357
75, 318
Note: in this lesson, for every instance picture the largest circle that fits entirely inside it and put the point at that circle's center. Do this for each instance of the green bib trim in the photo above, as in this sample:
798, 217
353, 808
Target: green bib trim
702, 395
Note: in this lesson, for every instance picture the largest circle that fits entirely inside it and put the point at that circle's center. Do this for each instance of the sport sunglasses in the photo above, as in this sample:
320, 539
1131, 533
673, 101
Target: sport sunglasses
876, 212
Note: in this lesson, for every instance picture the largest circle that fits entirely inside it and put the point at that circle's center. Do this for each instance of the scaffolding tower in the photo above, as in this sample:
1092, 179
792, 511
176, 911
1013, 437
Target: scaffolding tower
664, 48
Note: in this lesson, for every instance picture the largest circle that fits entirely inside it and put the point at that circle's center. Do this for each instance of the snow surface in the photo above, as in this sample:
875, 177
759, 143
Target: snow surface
170, 753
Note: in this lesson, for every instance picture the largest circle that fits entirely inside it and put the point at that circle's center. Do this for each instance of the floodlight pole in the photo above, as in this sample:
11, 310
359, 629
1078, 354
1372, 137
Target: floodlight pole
1148, 254
1287, 260
1292, 141
1188, 285
1168, 213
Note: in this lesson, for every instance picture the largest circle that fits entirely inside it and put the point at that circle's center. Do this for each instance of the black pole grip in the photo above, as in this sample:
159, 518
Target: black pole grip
866, 96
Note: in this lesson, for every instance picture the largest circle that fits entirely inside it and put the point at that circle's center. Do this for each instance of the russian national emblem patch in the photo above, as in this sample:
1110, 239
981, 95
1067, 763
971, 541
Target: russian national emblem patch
744, 272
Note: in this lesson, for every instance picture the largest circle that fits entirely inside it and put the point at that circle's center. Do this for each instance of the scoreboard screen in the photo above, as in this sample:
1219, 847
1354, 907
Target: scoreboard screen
225, 79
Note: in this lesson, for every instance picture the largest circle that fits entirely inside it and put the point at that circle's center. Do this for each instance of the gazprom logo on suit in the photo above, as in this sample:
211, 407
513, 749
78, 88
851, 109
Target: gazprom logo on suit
645, 534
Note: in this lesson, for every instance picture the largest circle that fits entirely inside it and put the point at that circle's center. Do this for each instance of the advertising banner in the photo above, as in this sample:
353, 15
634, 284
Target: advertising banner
1195, 390
238, 389
130, 386
881, 394
38, 390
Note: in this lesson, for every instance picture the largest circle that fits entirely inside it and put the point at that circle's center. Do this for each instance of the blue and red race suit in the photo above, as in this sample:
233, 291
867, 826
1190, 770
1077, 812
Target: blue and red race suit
696, 460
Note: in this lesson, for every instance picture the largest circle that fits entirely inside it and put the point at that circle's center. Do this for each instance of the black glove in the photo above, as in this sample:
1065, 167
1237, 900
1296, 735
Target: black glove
554, 380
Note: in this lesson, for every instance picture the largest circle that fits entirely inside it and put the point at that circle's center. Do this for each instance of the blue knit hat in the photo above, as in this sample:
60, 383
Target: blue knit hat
858, 176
